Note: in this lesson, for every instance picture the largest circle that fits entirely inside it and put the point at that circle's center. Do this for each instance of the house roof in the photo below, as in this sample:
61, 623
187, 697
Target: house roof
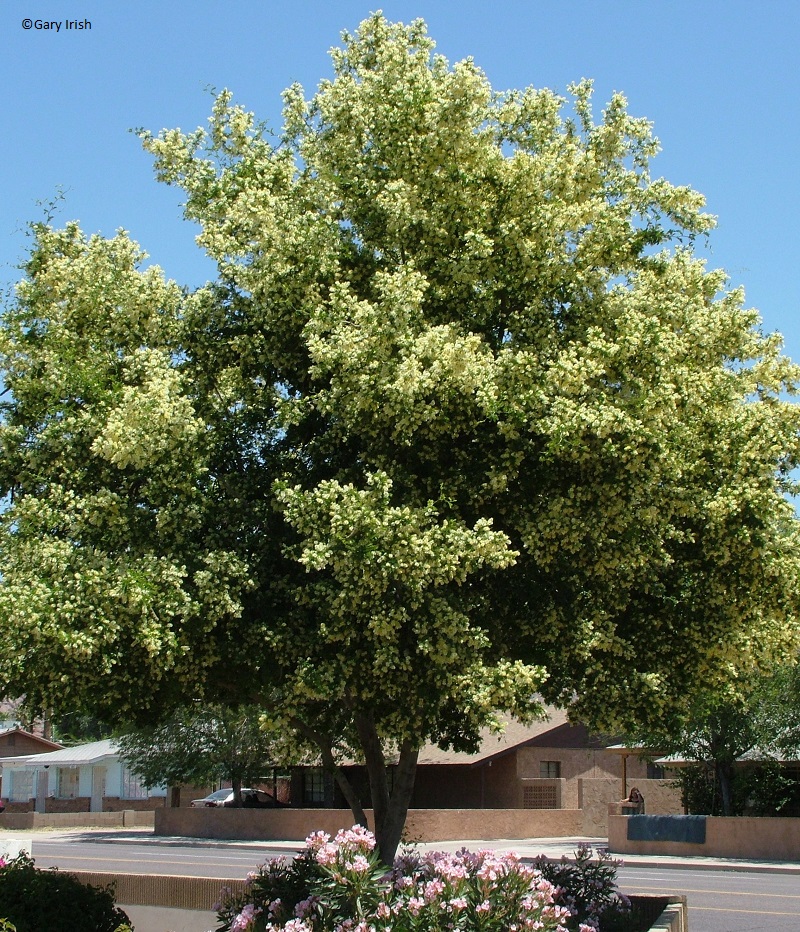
92, 753
494, 745
553, 731
45, 743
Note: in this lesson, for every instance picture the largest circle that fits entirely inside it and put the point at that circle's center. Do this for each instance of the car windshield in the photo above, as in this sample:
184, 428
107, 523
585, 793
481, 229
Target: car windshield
220, 794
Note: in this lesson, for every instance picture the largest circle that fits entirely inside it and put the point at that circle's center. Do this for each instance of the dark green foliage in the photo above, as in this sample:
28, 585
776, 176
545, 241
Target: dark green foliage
77, 727
733, 741
587, 885
53, 901
280, 881
760, 788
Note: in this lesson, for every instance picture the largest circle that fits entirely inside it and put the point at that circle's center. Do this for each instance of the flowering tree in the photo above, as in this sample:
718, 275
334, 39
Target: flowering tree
462, 419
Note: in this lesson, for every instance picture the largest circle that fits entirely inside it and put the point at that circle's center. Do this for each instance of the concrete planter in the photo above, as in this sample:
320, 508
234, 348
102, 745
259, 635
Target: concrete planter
184, 904
669, 913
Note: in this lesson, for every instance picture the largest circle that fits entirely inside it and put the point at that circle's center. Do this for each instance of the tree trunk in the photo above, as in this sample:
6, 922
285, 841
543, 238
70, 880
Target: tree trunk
389, 811
236, 784
395, 821
724, 775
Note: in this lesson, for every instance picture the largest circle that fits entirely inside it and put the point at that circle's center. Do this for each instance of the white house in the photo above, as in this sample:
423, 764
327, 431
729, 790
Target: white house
85, 778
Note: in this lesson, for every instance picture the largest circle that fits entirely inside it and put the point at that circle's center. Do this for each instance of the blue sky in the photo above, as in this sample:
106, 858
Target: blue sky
717, 77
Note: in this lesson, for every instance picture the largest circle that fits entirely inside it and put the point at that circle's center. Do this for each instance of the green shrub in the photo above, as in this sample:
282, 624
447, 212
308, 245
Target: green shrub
34, 900
587, 885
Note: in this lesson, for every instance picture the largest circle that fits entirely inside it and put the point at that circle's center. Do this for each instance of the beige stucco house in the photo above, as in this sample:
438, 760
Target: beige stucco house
550, 765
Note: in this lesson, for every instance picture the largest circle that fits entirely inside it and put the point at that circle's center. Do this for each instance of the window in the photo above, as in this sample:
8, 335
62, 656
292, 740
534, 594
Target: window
655, 772
550, 769
22, 785
132, 787
314, 785
67, 782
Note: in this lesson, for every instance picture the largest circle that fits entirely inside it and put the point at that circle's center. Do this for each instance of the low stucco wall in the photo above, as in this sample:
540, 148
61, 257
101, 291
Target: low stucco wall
127, 818
116, 804
488, 824
738, 837
422, 824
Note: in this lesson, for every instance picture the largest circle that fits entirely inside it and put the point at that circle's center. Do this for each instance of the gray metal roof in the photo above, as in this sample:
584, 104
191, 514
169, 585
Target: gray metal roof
92, 753
756, 755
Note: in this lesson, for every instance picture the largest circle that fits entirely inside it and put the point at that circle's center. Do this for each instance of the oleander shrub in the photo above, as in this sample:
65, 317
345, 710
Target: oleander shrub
33, 900
586, 884
339, 885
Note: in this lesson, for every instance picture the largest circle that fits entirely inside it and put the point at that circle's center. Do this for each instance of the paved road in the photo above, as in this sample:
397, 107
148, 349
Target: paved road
724, 901
91, 853
719, 900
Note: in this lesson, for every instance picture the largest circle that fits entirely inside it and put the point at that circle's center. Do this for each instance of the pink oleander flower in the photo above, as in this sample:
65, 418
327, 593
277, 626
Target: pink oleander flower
246, 919
415, 904
359, 864
356, 837
432, 890
317, 840
383, 911
297, 925
457, 903
451, 869
326, 854
544, 886
483, 907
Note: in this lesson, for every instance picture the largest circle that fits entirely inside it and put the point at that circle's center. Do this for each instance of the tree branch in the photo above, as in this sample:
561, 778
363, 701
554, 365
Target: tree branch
325, 745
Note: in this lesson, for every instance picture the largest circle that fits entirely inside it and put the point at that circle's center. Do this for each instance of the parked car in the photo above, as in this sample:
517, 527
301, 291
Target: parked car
251, 799
256, 799
217, 798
